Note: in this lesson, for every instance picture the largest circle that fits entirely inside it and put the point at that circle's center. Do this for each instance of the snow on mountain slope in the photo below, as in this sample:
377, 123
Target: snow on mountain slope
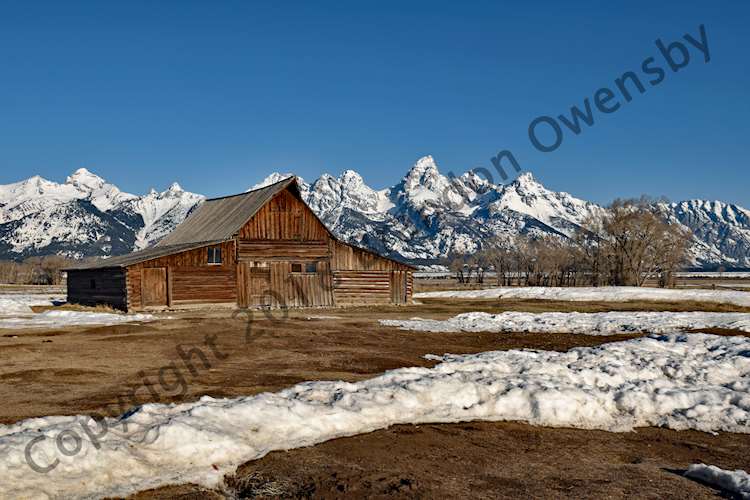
99, 192
273, 179
85, 216
425, 217
161, 212
527, 196
723, 230
428, 216
74, 229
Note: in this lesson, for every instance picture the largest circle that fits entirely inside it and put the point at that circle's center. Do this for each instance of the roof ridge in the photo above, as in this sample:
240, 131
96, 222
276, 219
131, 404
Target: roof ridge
286, 179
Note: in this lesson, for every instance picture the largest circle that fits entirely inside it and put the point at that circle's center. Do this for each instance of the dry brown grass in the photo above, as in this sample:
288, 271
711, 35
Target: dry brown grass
101, 308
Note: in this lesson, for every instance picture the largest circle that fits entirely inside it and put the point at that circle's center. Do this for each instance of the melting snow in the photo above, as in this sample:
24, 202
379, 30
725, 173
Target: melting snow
20, 303
695, 381
16, 312
598, 294
70, 318
737, 482
607, 323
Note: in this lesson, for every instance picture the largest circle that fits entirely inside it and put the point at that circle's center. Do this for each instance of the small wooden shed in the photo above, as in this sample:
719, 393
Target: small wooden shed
262, 248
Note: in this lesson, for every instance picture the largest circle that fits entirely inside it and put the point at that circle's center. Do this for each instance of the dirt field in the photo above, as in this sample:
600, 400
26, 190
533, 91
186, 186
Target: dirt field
484, 460
105, 370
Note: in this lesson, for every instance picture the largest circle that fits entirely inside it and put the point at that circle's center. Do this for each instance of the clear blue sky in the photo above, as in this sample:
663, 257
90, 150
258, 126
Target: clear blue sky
216, 95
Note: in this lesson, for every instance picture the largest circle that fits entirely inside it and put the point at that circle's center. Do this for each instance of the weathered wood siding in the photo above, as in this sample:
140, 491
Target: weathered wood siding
190, 278
362, 287
285, 232
284, 218
268, 250
362, 277
348, 258
399, 287
93, 287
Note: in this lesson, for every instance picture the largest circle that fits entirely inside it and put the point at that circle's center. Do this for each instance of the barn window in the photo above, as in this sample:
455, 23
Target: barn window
296, 268
92, 283
214, 255
311, 267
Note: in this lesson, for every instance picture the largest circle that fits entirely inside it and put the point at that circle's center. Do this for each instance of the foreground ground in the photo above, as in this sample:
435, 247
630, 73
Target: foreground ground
485, 460
107, 369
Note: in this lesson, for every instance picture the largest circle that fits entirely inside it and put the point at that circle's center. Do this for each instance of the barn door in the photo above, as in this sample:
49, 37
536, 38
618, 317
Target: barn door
154, 286
259, 286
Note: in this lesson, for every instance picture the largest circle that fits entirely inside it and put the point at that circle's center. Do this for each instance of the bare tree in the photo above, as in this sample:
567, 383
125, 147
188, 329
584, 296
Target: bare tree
498, 255
632, 243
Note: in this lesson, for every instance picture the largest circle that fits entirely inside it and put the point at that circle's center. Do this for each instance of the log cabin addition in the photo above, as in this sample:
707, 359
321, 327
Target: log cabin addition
260, 249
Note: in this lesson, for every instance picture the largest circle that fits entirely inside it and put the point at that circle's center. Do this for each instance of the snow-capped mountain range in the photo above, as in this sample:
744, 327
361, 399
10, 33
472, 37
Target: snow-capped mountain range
423, 219
85, 216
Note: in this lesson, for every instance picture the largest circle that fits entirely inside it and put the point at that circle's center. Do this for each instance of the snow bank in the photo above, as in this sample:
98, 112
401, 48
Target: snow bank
598, 294
71, 318
9, 305
737, 482
608, 323
693, 381
16, 312
20, 303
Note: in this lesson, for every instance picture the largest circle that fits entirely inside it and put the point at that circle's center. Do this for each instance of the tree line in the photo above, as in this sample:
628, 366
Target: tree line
626, 245
47, 270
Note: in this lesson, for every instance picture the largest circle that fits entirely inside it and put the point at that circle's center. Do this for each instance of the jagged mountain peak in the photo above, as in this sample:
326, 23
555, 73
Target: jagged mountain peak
719, 208
174, 190
526, 179
427, 191
348, 191
273, 179
424, 173
352, 179
528, 196
85, 178
422, 165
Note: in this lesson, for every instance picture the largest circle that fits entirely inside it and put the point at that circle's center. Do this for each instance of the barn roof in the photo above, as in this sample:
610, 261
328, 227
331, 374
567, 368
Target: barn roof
219, 219
142, 255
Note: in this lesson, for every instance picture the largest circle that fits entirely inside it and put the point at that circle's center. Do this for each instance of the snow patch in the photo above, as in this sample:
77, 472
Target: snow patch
21, 303
14, 306
49, 319
608, 323
737, 482
16, 312
597, 294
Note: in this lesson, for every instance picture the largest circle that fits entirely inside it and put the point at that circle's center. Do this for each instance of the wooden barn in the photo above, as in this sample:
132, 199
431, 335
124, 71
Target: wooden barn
263, 248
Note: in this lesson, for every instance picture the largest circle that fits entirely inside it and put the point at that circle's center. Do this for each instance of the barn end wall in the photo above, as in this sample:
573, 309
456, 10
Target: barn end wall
93, 287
